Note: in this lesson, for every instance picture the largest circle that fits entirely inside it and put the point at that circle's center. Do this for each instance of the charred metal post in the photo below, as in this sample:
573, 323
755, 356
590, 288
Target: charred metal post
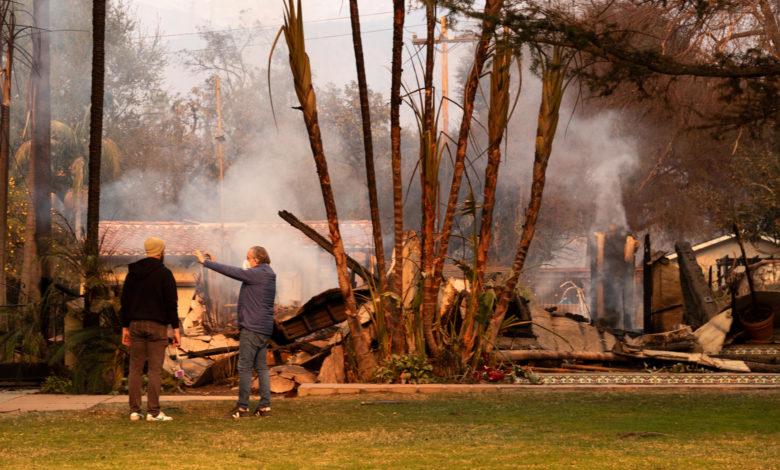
647, 284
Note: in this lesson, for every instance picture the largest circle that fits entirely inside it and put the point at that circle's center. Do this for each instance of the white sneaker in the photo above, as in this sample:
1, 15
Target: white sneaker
135, 416
160, 417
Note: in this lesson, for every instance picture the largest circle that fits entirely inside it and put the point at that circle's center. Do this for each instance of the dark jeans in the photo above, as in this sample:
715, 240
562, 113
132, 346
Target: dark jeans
251, 353
148, 340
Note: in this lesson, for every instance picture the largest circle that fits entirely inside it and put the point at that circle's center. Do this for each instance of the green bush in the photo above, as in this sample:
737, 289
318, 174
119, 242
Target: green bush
57, 384
405, 369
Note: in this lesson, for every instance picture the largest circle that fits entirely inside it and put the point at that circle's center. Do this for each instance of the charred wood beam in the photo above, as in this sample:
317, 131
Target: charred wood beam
763, 367
315, 236
675, 356
537, 355
700, 305
681, 339
212, 352
567, 367
751, 358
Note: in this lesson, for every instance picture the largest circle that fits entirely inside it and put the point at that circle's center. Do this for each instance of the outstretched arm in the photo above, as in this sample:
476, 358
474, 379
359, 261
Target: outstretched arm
202, 257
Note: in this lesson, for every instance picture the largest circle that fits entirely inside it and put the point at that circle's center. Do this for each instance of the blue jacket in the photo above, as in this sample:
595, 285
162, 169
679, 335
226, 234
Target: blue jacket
256, 296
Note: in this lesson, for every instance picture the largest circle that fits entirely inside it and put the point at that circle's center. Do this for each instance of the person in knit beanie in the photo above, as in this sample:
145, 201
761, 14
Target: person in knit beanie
148, 307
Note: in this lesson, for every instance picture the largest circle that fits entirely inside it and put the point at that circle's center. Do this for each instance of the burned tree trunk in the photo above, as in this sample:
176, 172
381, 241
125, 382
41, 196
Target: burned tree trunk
95, 150
398, 340
492, 8
9, 23
497, 121
299, 65
553, 76
39, 268
429, 173
381, 316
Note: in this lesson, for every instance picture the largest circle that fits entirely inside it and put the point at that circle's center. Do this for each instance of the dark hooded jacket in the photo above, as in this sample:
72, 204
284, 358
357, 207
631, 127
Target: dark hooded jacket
149, 293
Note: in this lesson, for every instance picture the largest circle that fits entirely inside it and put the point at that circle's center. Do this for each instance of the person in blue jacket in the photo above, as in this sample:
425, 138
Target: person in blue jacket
255, 323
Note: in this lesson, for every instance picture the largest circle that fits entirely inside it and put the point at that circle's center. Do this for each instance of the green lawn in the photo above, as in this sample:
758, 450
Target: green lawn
519, 429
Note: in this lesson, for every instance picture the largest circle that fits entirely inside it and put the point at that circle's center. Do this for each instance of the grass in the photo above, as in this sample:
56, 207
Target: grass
518, 429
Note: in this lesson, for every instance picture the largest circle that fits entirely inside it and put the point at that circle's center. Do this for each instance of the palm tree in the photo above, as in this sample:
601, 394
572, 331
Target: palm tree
95, 139
554, 69
429, 182
498, 116
381, 312
299, 65
491, 11
398, 341
70, 152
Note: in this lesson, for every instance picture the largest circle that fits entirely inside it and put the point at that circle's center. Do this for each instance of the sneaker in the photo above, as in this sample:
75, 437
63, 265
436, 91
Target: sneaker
262, 412
135, 416
160, 417
238, 413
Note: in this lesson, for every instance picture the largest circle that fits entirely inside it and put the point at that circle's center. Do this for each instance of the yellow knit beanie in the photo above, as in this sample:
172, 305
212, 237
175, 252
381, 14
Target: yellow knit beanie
154, 246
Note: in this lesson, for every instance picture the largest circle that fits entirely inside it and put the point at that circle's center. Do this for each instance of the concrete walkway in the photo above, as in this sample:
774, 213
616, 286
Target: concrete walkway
29, 400
11, 402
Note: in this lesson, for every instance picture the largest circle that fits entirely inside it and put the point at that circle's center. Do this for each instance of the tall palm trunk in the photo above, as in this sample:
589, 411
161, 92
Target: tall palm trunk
40, 157
429, 172
299, 65
492, 9
95, 149
398, 343
9, 23
553, 77
497, 122
773, 38
368, 145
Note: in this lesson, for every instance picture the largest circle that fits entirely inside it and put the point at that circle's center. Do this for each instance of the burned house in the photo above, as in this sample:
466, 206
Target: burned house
302, 268
717, 257
207, 301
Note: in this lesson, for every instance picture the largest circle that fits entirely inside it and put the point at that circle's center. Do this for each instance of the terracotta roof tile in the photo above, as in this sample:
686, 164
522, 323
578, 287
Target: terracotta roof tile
126, 238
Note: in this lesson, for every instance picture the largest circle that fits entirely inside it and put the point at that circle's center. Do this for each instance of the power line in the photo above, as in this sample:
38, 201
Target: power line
267, 43
230, 30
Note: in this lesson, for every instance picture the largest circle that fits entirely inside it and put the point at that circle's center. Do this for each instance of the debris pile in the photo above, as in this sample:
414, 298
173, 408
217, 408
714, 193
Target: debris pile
684, 321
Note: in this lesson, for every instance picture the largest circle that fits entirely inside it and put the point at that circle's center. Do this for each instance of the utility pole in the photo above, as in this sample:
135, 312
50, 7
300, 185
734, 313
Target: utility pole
444, 76
220, 138
444, 40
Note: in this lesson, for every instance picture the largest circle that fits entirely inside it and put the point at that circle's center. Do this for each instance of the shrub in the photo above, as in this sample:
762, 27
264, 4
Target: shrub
405, 369
56, 384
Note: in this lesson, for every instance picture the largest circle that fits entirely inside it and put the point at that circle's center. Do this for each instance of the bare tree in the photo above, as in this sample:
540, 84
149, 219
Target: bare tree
37, 268
8, 25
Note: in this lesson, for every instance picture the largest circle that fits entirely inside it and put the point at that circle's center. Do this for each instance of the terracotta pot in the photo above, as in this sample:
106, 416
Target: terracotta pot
761, 331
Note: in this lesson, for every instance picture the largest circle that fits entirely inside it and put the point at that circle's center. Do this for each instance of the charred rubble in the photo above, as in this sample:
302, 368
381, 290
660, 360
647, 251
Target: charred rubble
685, 322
